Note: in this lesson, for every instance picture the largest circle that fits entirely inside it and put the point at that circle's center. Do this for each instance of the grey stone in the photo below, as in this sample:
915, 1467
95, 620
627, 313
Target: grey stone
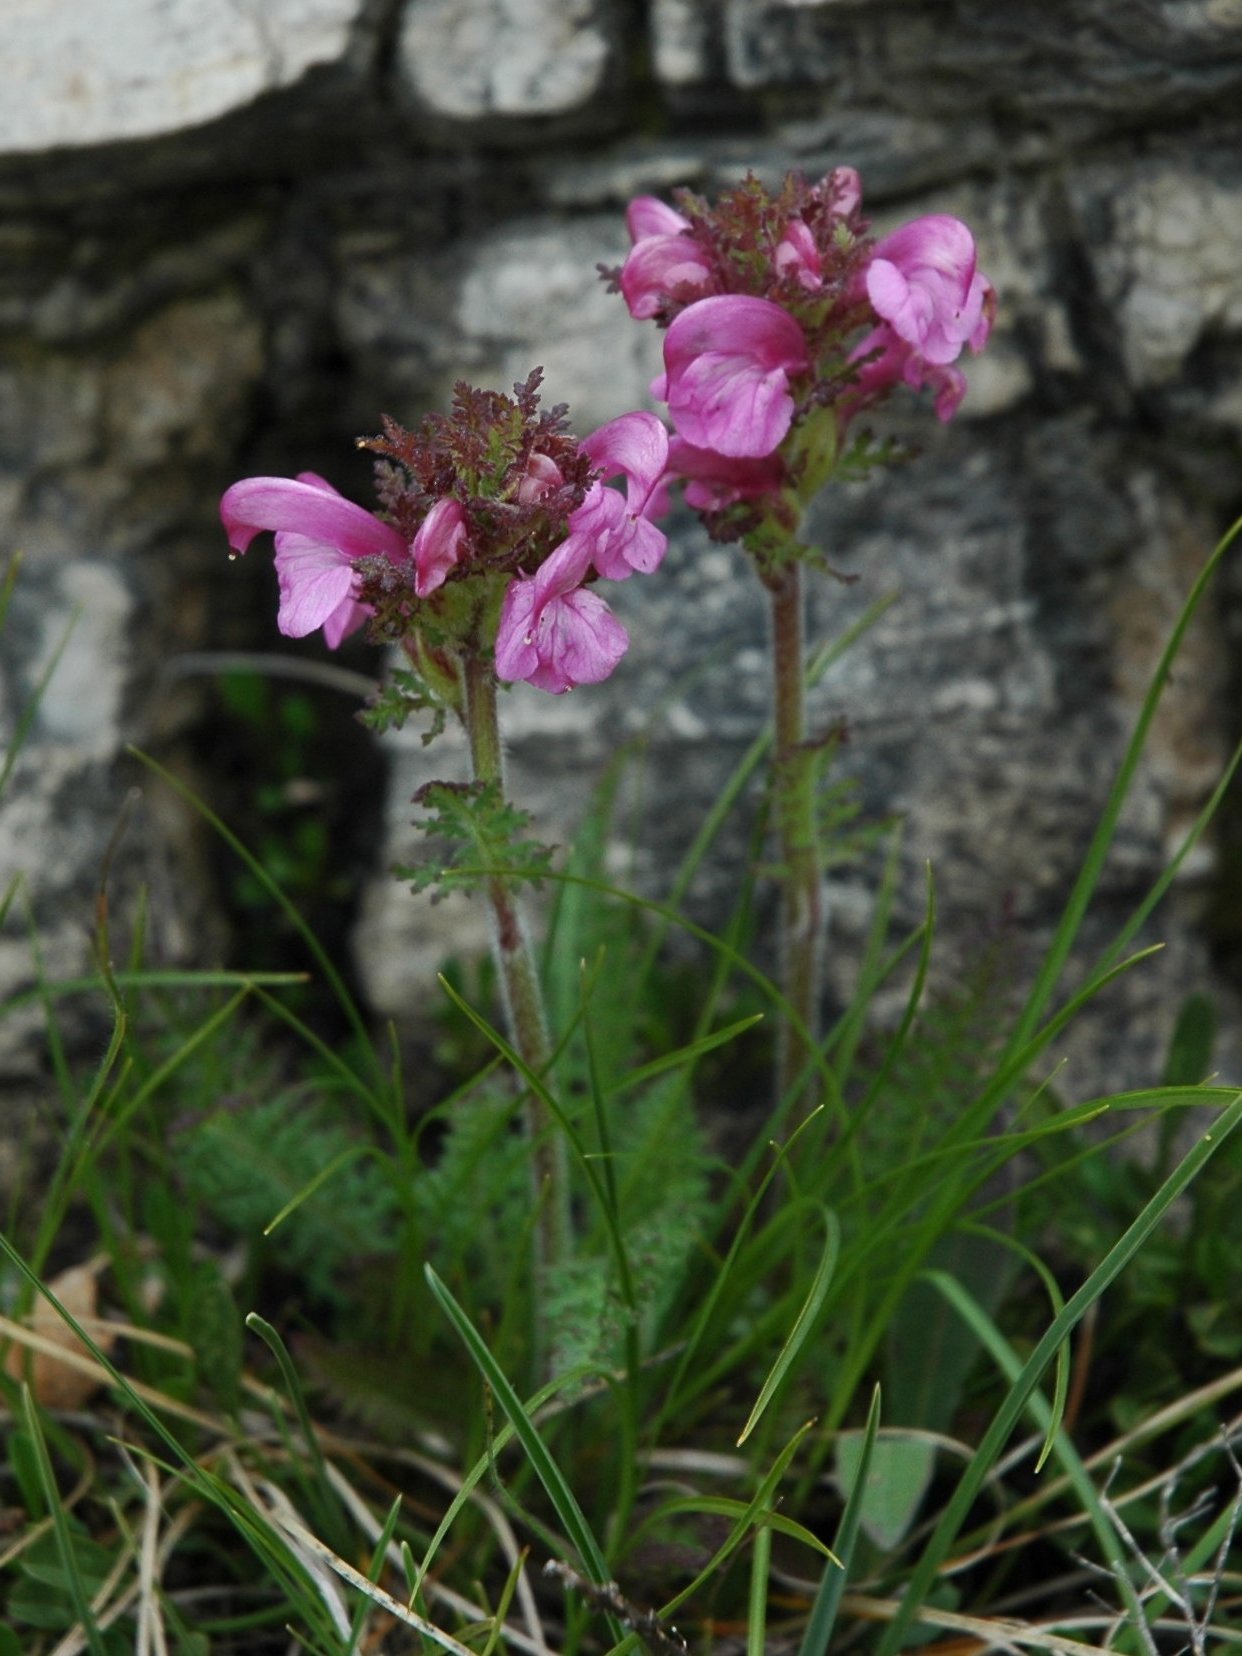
1168, 271
532, 296
74, 76
472, 59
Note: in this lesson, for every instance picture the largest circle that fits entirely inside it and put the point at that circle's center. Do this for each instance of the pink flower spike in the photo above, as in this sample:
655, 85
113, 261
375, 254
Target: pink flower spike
318, 534
623, 539
728, 360
555, 634
439, 544
923, 282
796, 254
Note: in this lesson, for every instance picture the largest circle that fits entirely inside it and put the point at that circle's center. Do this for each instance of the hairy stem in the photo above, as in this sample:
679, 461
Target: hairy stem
793, 798
519, 978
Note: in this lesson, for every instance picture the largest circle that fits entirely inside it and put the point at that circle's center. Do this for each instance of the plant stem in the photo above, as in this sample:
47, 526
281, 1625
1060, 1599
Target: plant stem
793, 797
519, 979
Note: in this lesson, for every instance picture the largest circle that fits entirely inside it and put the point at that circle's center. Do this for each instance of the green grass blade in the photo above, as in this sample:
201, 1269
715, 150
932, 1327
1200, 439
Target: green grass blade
725, 952
823, 1617
58, 988
483, 1465
346, 1158
1060, 1383
564, 1501
537, 1085
293, 1386
60, 1526
725, 1506
1114, 1262
758, 1510
804, 1326
1047, 1418
688, 1054
757, 1609
1097, 853
1194, 834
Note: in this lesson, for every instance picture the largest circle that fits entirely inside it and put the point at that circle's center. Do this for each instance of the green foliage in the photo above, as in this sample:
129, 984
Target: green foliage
243, 1164
474, 829
1172, 1319
404, 694
679, 1413
864, 453
658, 1159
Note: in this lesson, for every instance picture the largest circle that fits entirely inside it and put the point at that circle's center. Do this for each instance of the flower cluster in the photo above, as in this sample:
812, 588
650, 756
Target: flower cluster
496, 523
784, 320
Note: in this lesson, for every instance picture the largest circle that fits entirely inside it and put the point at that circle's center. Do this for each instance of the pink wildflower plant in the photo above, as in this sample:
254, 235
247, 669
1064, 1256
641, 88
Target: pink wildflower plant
785, 320
495, 523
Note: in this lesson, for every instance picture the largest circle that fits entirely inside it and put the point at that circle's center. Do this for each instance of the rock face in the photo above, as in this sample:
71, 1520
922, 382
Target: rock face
76, 77
231, 236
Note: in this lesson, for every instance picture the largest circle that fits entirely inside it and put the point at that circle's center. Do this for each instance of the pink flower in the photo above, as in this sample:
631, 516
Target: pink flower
665, 260
924, 283
715, 481
319, 534
554, 633
798, 255
932, 300
439, 544
899, 362
842, 189
728, 360
542, 476
623, 539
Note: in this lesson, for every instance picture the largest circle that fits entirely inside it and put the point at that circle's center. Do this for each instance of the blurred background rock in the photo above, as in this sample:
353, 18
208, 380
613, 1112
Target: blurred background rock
232, 235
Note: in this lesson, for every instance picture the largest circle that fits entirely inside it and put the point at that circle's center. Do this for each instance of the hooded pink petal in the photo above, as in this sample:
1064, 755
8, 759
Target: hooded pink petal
316, 589
553, 633
542, 476
842, 189
309, 506
318, 535
633, 446
649, 216
924, 283
728, 360
440, 543
661, 268
665, 261
797, 255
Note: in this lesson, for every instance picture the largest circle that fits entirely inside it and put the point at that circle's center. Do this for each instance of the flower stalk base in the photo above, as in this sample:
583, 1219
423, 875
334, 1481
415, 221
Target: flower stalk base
522, 995
794, 770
